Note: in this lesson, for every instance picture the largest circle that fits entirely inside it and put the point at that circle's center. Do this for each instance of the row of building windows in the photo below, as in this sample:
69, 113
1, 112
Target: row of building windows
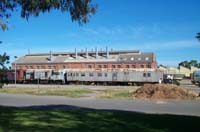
35, 67
88, 66
90, 74
132, 59
120, 66
102, 74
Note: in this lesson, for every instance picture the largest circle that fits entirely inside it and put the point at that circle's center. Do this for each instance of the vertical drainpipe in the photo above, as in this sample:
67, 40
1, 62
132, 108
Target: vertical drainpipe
107, 52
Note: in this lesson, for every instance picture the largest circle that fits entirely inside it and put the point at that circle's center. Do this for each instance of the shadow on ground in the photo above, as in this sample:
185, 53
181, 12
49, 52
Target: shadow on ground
64, 118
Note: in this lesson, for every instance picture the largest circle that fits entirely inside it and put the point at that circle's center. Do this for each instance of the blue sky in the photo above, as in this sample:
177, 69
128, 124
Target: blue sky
166, 27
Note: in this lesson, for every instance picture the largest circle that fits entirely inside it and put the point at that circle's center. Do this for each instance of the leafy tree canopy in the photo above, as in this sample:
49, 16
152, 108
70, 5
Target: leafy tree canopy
4, 59
163, 66
198, 36
80, 10
188, 64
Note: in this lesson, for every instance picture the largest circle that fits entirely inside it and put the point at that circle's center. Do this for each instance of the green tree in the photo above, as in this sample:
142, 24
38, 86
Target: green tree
163, 65
4, 59
79, 10
190, 63
198, 36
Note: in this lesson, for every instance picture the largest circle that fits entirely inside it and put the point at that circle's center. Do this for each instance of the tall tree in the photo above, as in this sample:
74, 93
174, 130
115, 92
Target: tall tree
79, 10
4, 59
198, 36
190, 63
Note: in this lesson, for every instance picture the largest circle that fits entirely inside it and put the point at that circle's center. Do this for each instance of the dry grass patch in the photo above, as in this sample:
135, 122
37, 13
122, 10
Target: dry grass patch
69, 92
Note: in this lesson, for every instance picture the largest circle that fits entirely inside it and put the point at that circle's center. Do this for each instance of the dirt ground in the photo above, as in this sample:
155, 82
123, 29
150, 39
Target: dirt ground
163, 91
148, 91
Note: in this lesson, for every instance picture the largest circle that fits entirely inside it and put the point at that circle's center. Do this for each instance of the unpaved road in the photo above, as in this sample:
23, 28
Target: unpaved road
186, 83
159, 107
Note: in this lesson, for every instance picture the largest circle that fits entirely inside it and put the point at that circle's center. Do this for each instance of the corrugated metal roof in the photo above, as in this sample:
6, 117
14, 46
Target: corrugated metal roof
143, 57
127, 56
84, 53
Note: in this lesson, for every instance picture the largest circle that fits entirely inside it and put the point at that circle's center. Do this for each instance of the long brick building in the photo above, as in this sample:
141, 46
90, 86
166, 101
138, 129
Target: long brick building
122, 59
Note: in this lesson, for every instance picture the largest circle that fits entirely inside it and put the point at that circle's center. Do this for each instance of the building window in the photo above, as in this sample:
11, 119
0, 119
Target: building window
120, 59
99, 66
149, 74
127, 66
106, 74
142, 66
49, 67
139, 58
38, 67
105, 66
77, 74
99, 74
125, 59
147, 58
89, 66
91, 74
31, 67
126, 73
149, 66
54, 67
118, 66
132, 58
74, 74
144, 75
82, 74
113, 66
64, 66
133, 66
46, 74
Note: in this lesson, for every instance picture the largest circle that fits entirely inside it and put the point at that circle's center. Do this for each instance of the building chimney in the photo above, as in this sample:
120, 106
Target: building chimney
75, 54
96, 52
50, 56
107, 52
86, 53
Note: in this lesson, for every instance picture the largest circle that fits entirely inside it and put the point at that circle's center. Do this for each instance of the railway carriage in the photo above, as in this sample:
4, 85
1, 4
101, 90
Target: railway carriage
120, 77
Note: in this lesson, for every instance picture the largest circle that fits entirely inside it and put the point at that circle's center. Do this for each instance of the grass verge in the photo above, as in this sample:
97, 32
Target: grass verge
71, 92
75, 92
82, 120
117, 93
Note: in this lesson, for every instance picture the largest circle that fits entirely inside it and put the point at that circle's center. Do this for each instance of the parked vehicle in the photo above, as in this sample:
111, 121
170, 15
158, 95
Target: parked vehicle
195, 78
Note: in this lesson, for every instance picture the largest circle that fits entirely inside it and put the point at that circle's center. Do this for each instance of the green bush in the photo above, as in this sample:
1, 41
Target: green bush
1, 85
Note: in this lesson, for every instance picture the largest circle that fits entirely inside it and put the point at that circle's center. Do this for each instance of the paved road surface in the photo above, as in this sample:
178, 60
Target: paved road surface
159, 107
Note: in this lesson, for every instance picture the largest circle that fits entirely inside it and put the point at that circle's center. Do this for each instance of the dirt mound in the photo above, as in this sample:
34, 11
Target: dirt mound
163, 91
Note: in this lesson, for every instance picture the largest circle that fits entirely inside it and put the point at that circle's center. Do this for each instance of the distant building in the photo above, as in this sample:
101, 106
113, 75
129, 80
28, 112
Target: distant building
123, 59
180, 70
193, 69
185, 71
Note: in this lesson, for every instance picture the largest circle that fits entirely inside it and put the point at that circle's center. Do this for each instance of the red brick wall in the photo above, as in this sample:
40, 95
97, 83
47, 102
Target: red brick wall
83, 65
